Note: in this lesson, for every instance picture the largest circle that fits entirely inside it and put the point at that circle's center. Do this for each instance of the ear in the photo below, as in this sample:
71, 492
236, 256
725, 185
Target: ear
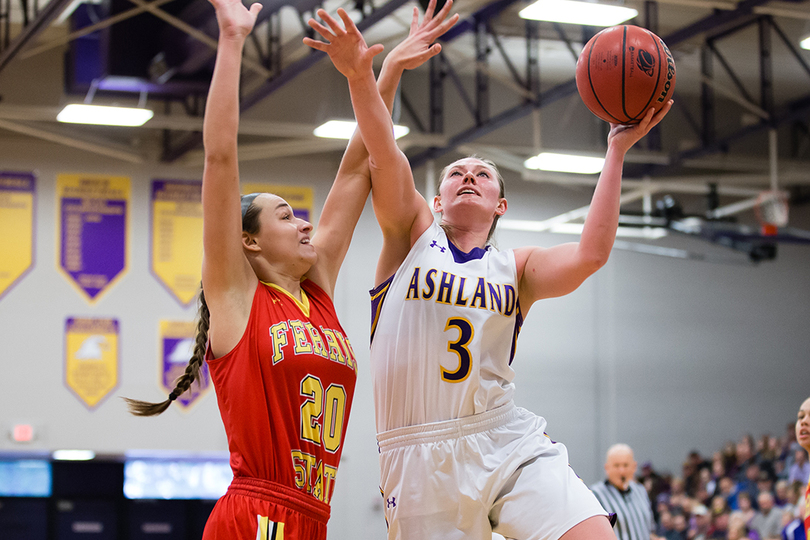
437, 203
501, 208
249, 242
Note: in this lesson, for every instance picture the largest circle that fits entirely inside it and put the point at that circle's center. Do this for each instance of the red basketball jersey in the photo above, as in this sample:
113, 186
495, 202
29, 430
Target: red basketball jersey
285, 391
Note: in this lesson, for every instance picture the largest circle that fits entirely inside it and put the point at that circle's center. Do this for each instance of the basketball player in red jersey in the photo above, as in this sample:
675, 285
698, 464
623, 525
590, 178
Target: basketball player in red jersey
283, 369
803, 436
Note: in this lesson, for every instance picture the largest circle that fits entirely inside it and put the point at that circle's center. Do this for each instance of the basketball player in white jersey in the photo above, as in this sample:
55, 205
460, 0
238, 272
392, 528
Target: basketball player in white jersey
458, 459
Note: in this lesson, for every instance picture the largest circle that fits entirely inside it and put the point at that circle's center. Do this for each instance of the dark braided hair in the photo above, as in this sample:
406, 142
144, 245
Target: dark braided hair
250, 224
192, 373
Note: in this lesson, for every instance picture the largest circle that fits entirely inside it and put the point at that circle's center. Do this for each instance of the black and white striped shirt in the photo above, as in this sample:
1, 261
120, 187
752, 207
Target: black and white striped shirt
632, 507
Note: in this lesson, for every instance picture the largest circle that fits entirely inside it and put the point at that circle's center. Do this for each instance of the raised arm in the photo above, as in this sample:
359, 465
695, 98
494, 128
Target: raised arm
559, 270
401, 211
349, 192
228, 279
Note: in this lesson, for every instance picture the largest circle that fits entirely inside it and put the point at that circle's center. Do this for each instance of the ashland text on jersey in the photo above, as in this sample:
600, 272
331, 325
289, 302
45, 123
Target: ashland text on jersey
451, 289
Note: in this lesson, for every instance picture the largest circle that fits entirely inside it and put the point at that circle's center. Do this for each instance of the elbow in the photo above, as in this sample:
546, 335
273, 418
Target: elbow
218, 158
593, 260
386, 160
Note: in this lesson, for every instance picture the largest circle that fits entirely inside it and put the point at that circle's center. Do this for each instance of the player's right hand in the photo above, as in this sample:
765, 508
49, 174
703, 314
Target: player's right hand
234, 19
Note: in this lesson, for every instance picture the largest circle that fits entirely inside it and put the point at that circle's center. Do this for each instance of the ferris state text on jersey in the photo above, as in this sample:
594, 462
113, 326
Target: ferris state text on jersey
450, 289
306, 339
324, 410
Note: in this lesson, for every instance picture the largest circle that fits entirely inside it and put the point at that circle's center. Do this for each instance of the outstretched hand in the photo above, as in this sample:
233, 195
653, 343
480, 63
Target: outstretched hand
346, 47
418, 47
235, 20
624, 137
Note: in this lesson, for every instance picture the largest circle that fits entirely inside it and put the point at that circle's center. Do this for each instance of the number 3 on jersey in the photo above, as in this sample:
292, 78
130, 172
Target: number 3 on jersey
329, 431
465, 336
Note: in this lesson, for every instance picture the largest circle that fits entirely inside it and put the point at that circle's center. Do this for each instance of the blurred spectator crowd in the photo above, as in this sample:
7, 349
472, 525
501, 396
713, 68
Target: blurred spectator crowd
752, 489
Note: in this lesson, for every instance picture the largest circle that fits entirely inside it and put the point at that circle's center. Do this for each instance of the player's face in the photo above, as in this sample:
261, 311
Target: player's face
284, 237
803, 425
470, 184
620, 468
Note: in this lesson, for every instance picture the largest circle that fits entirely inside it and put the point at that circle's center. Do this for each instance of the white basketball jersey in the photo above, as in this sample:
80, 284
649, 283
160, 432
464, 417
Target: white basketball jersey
443, 332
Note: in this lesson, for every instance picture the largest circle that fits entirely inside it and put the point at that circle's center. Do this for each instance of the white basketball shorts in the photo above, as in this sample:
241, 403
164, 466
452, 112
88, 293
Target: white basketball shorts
465, 478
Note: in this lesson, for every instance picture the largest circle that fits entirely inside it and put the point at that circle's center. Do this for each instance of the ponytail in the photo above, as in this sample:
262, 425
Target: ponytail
192, 373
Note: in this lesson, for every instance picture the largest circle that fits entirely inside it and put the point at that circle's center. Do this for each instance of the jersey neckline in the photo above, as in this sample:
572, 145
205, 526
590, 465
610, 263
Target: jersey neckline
303, 304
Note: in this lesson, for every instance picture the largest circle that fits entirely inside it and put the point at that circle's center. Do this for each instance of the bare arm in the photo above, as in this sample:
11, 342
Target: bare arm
401, 211
557, 271
227, 277
351, 187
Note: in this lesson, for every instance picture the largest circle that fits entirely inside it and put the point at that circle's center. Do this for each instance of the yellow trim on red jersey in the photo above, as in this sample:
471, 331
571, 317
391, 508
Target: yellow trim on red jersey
303, 305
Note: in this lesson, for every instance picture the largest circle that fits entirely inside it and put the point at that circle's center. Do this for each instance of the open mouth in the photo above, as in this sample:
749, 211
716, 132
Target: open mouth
467, 192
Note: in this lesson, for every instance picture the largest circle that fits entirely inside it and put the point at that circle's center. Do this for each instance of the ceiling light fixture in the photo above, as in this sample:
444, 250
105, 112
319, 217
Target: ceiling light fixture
73, 455
568, 163
343, 129
101, 115
805, 43
648, 233
585, 13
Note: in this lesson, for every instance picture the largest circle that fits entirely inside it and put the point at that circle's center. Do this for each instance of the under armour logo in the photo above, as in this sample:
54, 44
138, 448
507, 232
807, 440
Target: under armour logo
434, 244
391, 502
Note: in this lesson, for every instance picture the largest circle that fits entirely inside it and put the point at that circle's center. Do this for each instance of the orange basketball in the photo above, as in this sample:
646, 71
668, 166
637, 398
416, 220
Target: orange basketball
623, 71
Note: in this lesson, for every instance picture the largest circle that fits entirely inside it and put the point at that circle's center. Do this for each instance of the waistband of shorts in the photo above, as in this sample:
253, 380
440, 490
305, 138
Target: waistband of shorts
280, 494
449, 429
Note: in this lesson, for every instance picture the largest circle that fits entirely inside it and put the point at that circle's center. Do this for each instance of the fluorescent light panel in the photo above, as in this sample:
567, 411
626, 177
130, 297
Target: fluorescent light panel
73, 455
649, 233
343, 129
569, 163
586, 13
101, 115
805, 43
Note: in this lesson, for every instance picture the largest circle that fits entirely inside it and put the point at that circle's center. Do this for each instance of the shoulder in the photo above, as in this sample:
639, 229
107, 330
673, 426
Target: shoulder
640, 491
432, 237
316, 292
431, 232
522, 255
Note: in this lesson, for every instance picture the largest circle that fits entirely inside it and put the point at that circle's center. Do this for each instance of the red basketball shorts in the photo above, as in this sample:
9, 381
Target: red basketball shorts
254, 509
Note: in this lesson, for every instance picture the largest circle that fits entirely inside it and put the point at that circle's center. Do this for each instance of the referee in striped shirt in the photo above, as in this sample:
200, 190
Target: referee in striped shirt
625, 497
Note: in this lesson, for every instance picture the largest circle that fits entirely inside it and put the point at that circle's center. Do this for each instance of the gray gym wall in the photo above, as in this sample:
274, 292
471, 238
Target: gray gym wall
666, 355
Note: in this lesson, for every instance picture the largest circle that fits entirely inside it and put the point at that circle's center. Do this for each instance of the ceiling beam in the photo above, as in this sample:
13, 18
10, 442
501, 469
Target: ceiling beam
717, 20
40, 23
72, 142
292, 71
90, 29
281, 78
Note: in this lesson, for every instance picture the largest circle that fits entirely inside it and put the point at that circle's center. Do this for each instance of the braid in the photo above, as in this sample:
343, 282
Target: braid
192, 373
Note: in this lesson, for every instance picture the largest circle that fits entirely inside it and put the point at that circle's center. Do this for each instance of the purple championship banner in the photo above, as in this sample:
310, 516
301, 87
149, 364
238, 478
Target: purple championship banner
91, 358
176, 236
93, 214
176, 348
17, 218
